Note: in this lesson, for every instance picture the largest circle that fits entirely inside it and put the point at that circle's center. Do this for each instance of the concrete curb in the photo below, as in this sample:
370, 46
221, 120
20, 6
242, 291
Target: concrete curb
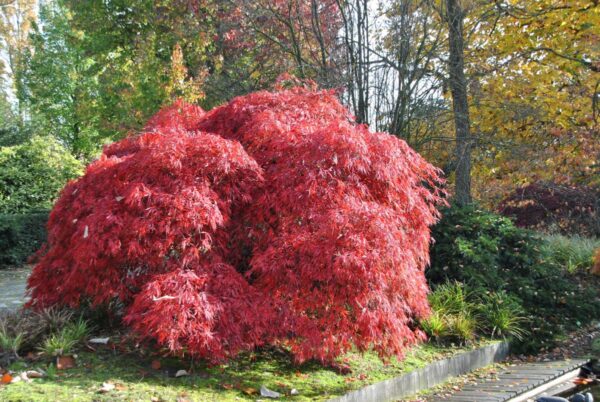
428, 376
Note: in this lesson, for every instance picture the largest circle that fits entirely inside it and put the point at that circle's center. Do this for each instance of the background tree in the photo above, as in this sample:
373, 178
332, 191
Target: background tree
534, 90
454, 15
60, 85
132, 44
10, 133
92, 72
16, 17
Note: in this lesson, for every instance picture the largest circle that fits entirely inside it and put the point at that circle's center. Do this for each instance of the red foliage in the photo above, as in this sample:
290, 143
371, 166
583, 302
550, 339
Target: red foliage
288, 224
550, 206
178, 116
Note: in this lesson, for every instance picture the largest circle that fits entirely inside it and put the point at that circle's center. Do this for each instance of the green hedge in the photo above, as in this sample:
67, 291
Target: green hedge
488, 253
20, 236
33, 173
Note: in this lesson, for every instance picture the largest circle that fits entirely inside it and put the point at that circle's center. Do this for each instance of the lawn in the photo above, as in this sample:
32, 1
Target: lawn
135, 379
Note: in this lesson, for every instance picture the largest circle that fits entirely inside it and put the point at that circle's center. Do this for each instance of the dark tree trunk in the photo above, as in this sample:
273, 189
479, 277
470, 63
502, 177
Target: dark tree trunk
460, 105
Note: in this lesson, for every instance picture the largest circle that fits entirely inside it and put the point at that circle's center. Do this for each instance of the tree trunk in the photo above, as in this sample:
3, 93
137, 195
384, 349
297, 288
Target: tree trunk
460, 105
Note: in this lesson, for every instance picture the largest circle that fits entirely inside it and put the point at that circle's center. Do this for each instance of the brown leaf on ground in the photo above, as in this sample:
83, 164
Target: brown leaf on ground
250, 391
34, 374
156, 364
65, 362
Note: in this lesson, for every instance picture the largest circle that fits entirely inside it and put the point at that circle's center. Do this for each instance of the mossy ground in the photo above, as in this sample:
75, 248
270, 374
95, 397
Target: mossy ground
241, 379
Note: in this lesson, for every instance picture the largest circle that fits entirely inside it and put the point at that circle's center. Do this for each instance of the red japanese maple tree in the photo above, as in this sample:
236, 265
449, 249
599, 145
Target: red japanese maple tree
273, 219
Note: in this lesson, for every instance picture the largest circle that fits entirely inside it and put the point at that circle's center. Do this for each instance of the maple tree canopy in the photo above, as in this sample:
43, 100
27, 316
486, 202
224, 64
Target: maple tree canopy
273, 219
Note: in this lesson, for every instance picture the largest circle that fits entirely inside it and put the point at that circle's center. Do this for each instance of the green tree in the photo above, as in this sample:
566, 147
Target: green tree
132, 44
60, 83
9, 125
16, 17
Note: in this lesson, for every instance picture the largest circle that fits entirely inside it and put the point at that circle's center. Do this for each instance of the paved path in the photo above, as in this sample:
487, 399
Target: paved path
12, 287
515, 380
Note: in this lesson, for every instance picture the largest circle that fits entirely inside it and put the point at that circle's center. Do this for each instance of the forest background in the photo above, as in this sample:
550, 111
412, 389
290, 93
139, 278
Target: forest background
499, 94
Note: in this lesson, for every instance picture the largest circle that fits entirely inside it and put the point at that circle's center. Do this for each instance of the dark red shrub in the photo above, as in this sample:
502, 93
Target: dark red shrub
288, 224
554, 207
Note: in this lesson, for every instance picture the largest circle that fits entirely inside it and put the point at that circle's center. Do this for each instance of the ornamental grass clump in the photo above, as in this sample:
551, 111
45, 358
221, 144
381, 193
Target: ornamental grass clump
273, 219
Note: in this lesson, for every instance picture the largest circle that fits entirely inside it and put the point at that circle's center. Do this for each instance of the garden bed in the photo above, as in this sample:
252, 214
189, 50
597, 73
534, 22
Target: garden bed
134, 377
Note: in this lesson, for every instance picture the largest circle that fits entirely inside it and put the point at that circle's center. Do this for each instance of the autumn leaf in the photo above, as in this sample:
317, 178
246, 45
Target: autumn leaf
65, 362
6, 378
250, 391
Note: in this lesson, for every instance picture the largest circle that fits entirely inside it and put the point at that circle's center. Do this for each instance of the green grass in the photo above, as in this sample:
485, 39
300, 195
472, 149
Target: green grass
232, 382
574, 253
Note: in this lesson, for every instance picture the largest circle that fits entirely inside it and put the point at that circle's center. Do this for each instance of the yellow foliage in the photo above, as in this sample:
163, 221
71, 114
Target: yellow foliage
181, 86
534, 72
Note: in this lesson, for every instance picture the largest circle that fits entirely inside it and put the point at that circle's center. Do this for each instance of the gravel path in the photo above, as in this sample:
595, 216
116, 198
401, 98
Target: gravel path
12, 287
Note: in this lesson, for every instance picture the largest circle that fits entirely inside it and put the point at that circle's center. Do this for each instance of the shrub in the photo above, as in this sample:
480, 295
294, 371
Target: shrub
25, 329
32, 174
10, 343
552, 207
596, 266
452, 313
53, 331
483, 250
64, 339
575, 253
274, 219
451, 298
20, 236
463, 326
596, 346
461, 314
435, 326
502, 315
489, 253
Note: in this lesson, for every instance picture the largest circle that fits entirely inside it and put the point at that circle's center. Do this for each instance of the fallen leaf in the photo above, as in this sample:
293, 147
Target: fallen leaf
6, 379
24, 377
31, 356
65, 362
227, 386
250, 391
156, 364
101, 341
34, 374
582, 381
107, 387
120, 387
266, 392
